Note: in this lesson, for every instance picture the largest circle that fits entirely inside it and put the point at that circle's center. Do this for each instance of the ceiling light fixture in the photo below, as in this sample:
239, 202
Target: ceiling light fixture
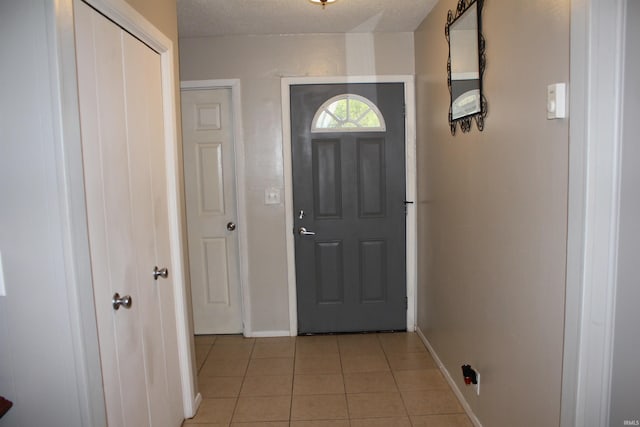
322, 2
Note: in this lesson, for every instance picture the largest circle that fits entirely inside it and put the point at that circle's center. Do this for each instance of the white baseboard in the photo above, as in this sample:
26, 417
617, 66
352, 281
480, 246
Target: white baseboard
267, 334
452, 383
196, 404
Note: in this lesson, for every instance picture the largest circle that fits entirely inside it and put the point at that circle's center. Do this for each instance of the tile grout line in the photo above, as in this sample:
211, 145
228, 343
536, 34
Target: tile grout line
235, 407
293, 378
395, 381
346, 397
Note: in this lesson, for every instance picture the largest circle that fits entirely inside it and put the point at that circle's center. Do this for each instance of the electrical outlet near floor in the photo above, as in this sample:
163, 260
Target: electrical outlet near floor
477, 386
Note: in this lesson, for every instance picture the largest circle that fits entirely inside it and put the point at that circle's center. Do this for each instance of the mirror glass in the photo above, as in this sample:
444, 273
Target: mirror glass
465, 66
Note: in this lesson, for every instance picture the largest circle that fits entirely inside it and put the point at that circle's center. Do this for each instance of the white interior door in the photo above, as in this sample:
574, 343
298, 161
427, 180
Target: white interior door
209, 168
120, 90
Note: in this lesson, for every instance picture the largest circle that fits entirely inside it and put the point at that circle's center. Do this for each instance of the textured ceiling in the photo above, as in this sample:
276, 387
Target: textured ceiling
199, 18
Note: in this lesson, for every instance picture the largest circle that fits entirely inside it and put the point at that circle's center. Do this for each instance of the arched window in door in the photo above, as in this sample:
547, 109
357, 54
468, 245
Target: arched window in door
348, 113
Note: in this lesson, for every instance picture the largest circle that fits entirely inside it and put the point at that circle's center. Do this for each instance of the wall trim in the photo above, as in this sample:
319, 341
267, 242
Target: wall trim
197, 401
268, 334
411, 184
449, 378
597, 41
241, 205
128, 18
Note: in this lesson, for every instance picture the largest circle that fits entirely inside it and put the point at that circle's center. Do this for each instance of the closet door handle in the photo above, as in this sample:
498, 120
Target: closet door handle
118, 301
160, 272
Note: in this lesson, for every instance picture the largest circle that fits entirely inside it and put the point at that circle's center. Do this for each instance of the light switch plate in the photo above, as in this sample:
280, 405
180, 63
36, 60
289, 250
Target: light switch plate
556, 101
272, 196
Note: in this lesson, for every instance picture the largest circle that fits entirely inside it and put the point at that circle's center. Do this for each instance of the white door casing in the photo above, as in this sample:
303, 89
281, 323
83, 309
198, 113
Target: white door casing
212, 219
120, 87
597, 63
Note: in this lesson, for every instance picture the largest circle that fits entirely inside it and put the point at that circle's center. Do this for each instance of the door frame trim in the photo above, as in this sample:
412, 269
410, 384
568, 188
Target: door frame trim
595, 140
241, 208
411, 188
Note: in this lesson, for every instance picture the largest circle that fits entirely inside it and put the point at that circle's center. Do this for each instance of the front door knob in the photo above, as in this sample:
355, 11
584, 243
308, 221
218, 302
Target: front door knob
304, 232
231, 226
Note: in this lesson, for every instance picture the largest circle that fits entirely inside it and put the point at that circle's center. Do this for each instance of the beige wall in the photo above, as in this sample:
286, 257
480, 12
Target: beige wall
493, 212
260, 62
163, 14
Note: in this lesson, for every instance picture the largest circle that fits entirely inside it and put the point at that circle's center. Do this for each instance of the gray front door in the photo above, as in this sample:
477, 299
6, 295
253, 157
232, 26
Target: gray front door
349, 189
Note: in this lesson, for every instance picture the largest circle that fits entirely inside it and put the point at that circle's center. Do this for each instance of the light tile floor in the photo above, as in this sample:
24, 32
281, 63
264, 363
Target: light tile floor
360, 380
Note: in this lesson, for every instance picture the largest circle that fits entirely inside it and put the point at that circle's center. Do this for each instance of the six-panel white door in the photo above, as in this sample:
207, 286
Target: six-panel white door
209, 169
120, 96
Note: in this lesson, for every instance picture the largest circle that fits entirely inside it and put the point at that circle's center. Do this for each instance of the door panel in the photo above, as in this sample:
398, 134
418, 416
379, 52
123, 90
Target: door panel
209, 162
123, 157
371, 178
103, 123
329, 273
350, 188
327, 179
373, 286
143, 89
210, 179
216, 273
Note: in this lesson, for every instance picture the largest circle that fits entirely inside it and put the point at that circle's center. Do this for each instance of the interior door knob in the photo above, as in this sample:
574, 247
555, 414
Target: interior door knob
118, 301
231, 226
160, 272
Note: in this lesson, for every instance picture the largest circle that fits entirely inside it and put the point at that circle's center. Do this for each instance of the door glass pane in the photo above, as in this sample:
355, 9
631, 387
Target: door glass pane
348, 113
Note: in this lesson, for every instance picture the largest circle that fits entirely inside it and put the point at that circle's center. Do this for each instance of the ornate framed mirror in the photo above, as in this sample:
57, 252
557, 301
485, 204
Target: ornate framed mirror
465, 66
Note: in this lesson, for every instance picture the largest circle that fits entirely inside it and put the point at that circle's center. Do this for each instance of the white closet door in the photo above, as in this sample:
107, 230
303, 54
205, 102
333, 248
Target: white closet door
123, 153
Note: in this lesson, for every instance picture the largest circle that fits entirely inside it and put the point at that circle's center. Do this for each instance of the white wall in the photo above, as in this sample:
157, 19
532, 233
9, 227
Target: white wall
492, 213
260, 62
42, 369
